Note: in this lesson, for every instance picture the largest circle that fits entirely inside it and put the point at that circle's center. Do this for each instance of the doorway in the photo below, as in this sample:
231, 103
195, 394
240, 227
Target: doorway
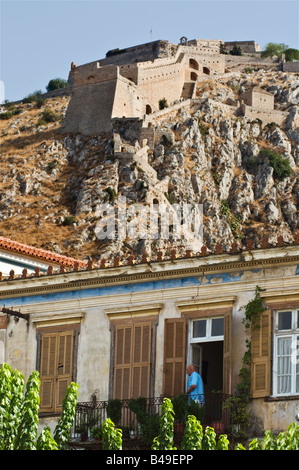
207, 359
205, 351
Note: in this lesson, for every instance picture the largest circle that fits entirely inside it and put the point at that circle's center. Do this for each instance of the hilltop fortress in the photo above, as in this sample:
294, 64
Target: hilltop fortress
134, 82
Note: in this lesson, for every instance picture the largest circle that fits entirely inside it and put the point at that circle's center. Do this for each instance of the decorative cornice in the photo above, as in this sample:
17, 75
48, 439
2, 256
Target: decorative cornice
146, 272
207, 303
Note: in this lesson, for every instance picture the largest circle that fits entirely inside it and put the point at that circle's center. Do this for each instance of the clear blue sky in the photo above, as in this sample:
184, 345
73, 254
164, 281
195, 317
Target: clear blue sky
40, 38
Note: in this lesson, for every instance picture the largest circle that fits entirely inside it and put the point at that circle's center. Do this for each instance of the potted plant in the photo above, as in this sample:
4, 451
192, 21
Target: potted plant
180, 408
96, 433
114, 410
82, 429
196, 409
239, 417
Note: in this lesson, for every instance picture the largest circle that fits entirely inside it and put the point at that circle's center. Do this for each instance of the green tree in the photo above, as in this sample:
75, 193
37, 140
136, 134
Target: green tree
273, 49
236, 50
291, 54
56, 83
19, 413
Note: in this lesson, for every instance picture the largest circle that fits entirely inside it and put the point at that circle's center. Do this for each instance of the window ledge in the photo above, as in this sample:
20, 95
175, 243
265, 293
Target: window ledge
284, 398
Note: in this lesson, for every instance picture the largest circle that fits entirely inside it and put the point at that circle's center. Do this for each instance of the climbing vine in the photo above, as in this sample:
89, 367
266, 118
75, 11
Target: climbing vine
253, 311
238, 403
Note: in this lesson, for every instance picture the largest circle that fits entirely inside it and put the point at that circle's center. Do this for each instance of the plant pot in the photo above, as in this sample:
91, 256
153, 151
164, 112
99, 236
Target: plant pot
179, 429
218, 427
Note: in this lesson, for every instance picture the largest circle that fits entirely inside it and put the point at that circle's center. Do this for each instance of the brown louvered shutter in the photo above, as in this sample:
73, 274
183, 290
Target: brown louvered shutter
123, 346
174, 357
141, 360
132, 360
227, 346
64, 365
47, 373
261, 357
56, 369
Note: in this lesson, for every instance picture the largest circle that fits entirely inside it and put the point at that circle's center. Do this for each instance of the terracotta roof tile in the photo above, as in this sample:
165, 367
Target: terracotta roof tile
21, 248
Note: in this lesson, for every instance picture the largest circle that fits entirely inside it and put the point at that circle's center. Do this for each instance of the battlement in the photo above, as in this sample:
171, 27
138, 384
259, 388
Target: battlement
131, 82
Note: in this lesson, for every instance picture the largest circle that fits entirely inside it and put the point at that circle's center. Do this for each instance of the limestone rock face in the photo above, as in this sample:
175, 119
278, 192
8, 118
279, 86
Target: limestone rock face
54, 187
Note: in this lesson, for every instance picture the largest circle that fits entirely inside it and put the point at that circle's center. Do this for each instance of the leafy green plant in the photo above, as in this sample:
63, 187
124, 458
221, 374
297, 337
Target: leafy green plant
236, 50
209, 439
12, 111
19, 409
47, 116
114, 410
45, 441
233, 220
28, 426
50, 167
35, 97
11, 400
165, 439
111, 194
63, 428
180, 405
253, 309
149, 424
291, 54
69, 220
111, 437
56, 83
163, 103
274, 49
280, 165
193, 434
196, 409
96, 432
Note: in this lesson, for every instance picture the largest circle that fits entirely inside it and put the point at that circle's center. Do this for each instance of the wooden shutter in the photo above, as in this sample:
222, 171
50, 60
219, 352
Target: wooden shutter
64, 365
261, 357
47, 372
56, 369
227, 349
141, 360
132, 361
174, 357
123, 344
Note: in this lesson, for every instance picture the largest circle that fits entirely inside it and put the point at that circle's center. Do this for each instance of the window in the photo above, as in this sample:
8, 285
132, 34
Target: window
286, 353
207, 329
132, 360
57, 364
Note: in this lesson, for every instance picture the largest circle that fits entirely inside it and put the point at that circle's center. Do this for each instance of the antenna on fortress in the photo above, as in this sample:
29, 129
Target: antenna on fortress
151, 32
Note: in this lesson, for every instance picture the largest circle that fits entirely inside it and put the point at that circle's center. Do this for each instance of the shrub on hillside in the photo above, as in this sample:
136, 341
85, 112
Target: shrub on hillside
56, 83
47, 116
280, 165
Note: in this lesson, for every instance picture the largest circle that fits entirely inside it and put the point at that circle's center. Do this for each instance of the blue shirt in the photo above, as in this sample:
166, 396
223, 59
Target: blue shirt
197, 393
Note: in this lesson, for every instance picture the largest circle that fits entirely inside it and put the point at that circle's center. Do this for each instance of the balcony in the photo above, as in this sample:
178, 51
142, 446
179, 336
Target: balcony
139, 419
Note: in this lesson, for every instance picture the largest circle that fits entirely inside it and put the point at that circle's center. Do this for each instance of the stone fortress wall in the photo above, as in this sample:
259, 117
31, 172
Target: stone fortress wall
129, 83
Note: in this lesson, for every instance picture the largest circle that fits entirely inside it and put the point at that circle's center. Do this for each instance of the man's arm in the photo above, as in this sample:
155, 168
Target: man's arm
192, 387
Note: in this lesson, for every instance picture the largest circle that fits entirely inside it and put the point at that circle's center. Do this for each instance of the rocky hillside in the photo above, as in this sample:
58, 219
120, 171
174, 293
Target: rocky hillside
243, 173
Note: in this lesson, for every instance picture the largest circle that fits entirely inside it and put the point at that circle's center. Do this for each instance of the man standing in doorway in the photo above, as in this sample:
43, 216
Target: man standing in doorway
195, 385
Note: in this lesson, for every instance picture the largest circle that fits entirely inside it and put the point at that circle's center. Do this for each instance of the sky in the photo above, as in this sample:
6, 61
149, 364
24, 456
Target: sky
41, 38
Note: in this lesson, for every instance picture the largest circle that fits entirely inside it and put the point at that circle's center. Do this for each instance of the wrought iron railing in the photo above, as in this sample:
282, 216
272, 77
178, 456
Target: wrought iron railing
139, 418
